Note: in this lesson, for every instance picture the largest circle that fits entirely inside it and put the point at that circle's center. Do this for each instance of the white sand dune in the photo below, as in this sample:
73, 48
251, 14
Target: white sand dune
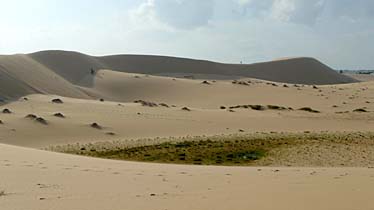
35, 72
37, 180
132, 121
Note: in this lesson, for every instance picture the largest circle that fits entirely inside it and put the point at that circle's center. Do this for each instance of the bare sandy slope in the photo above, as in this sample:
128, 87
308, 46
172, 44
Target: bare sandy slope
32, 179
293, 70
37, 180
59, 72
129, 120
362, 77
21, 75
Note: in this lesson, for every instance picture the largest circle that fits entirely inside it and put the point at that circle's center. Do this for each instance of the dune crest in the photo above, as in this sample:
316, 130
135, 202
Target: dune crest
60, 72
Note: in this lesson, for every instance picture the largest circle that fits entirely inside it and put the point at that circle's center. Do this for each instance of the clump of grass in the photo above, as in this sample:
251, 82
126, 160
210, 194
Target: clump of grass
146, 103
240, 82
31, 116
186, 109
360, 110
41, 121
308, 109
2, 193
257, 107
254, 107
59, 115
57, 101
6, 111
164, 105
276, 107
96, 126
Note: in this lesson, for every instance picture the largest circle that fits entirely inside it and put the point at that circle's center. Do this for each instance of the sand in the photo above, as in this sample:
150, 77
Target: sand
41, 180
35, 179
58, 72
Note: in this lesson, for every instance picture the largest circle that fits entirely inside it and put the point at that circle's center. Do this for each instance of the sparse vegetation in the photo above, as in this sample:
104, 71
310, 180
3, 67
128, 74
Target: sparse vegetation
96, 126
186, 109
360, 110
308, 109
6, 111
243, 149
164, 105
146, 103
258, 107
57, 101
275, 107
41, 120
240, 82
2, 193
59, 115
31, 116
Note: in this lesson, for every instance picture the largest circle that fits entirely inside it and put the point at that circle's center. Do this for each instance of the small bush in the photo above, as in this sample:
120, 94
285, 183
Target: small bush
360, 110
2, 193
41, 120
59, 115
31, 116
186, 109
308, 109
275, 107
57, 101
96, 126
6, 111
257, 107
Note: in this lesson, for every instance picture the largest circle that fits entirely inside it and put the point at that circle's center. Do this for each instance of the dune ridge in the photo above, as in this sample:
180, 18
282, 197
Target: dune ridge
64, 72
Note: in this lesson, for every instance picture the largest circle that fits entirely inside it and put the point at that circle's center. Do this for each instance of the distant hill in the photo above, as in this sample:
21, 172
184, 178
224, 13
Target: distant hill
62, 72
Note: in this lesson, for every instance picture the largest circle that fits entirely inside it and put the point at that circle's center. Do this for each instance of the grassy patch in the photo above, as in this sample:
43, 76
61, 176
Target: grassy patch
260, 149
204, 152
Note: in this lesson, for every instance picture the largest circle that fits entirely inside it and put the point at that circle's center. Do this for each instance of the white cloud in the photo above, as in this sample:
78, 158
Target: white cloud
180, 14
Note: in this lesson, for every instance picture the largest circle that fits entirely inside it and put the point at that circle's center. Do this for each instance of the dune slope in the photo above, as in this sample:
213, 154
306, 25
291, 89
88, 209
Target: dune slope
296, 70
60, 72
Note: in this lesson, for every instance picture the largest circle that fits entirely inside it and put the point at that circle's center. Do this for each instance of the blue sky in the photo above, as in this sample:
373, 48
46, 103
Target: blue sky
338, 32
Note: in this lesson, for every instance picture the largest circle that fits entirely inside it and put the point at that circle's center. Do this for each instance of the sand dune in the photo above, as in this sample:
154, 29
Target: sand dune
52, 98
296, 70
58, 72
32, 179
21, 75
130, 120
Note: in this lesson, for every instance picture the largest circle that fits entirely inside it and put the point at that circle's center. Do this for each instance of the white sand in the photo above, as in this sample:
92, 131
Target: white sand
42, 180
37, 180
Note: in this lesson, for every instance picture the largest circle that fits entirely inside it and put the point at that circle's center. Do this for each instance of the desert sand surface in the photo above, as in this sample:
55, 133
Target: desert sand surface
58, 72
32, 179
122, 100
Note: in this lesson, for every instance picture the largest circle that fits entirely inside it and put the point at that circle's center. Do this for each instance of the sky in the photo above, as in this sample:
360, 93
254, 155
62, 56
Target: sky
340, 33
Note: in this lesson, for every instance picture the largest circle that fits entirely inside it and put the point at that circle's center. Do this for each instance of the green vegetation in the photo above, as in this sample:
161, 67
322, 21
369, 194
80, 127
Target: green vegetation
246, 149
360, 110
205, 152
276, 107
308, 109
